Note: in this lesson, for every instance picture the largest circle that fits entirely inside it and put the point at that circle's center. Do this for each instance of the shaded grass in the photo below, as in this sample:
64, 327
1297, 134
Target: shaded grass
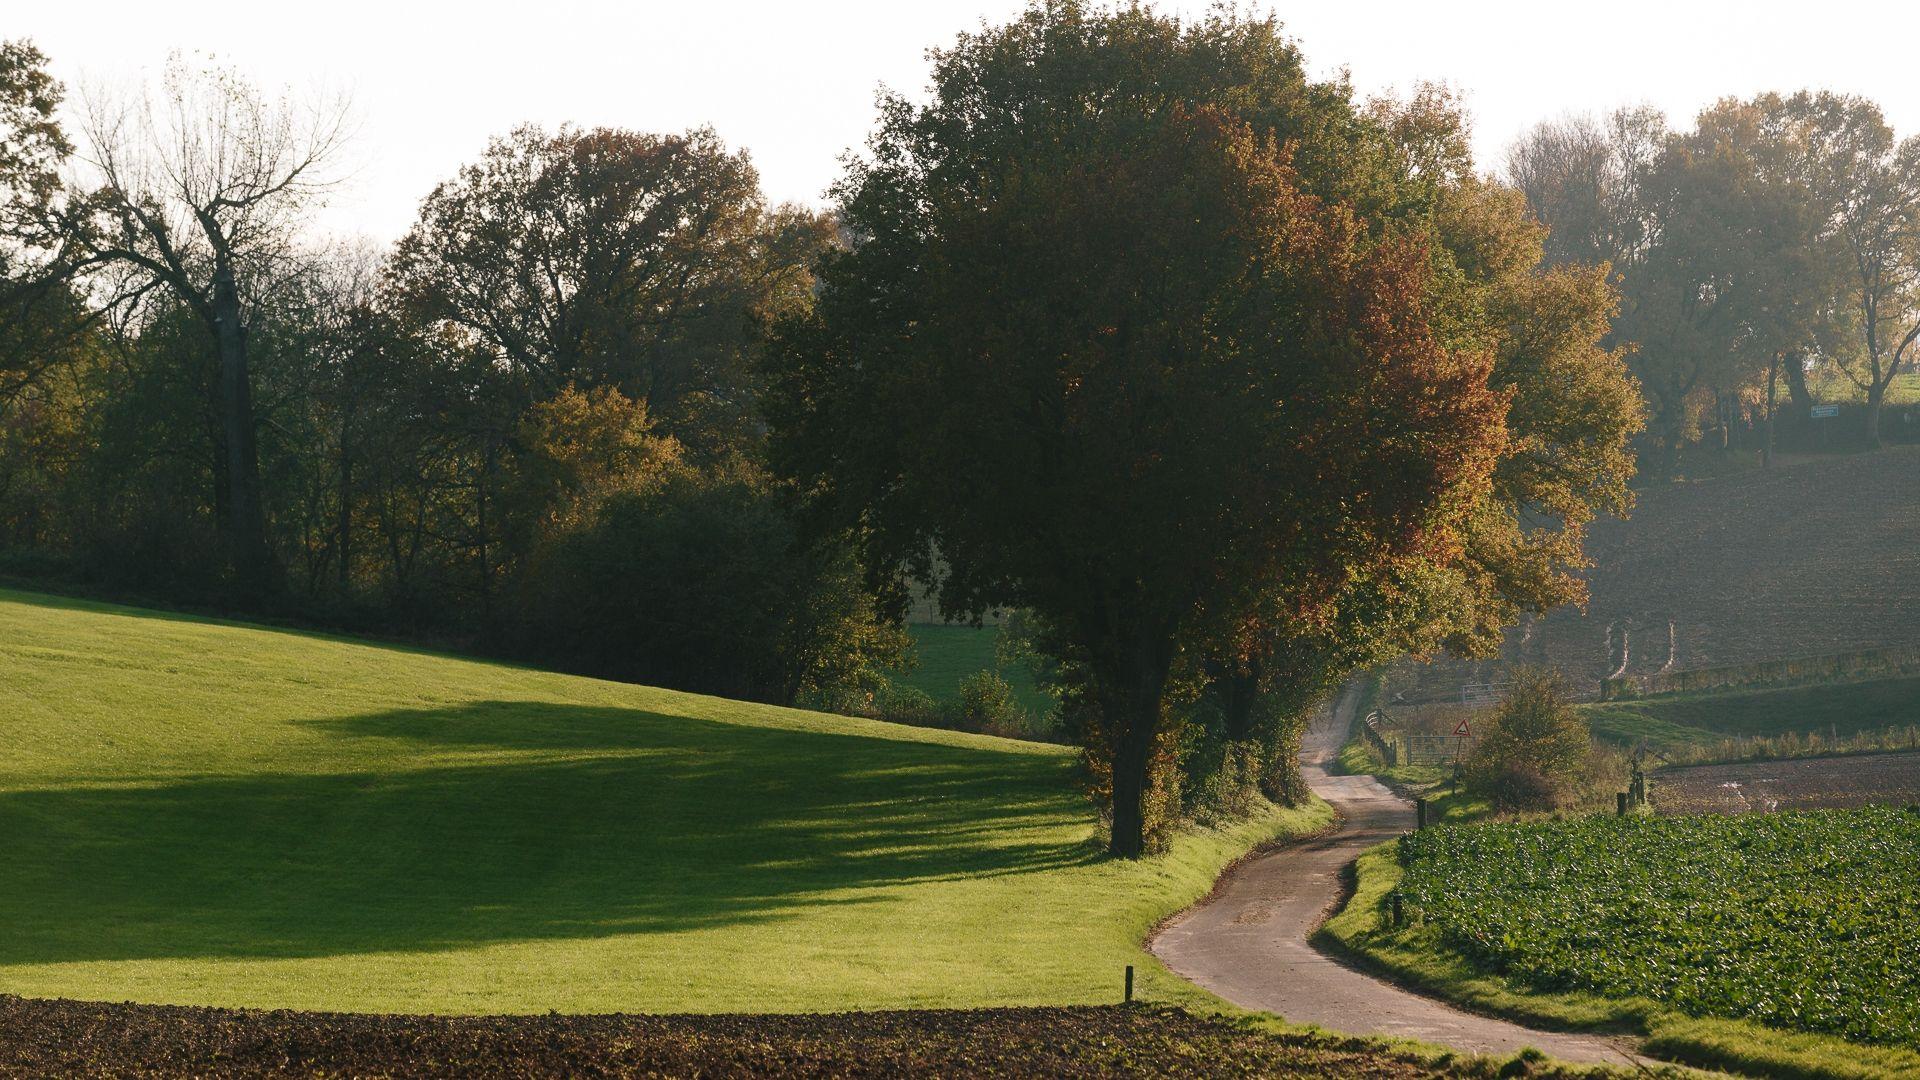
1414, 956
1673, 723
201, 812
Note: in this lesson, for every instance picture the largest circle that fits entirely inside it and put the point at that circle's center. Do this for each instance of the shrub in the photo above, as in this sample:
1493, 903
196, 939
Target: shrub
907, 705
986, 704
703, 584
1533, 754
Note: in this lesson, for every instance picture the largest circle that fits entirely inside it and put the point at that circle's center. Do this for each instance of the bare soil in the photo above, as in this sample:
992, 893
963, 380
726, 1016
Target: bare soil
1791, 784
89, 1039
1808, 559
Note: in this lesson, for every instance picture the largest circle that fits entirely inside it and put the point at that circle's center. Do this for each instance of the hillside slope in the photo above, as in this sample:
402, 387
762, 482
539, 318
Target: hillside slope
203, 813
1817, 557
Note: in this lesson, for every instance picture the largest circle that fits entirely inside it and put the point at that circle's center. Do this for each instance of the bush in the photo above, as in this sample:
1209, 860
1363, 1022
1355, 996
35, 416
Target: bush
907, 705
986, 704
1533, 754
703, 585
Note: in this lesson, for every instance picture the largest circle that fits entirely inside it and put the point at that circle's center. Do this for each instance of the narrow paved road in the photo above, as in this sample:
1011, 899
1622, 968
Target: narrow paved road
1248, 944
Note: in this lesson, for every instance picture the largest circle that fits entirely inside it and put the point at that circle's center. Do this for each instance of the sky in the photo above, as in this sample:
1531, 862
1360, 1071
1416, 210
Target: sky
794, 82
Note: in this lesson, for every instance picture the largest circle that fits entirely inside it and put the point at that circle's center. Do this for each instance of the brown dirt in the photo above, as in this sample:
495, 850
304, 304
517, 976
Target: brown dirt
1811, 559
1792, 784
87, 1039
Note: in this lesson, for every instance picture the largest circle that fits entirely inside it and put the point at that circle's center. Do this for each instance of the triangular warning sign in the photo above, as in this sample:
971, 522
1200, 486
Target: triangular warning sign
1462, 728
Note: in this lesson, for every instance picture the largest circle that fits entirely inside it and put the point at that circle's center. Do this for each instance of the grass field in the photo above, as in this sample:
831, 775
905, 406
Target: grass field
1682, 723
947, 655
202, 813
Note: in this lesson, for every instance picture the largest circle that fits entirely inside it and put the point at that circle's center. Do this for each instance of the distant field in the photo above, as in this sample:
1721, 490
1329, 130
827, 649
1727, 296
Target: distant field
1793, 920
203, 813
1677, 722
949, 654
1829, 384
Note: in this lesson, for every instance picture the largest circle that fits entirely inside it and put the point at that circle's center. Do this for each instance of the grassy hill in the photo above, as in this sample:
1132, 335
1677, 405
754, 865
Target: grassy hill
203, 813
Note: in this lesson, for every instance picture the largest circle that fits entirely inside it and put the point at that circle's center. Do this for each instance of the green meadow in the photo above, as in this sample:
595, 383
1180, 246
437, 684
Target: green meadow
200, 812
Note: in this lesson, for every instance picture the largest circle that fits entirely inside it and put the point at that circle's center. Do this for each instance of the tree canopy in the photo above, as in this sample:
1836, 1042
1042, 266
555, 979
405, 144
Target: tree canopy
1142, 330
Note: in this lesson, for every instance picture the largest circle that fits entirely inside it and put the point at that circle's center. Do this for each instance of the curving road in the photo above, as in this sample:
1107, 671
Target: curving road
1248, 942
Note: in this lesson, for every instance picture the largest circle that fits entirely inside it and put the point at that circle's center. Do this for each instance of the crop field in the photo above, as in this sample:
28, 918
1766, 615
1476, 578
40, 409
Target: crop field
1796, 920
203, 813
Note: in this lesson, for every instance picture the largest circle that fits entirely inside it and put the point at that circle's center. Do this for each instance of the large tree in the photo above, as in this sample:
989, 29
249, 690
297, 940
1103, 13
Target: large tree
38, 312
1139, 329
607, 258
197, 193
1867, 185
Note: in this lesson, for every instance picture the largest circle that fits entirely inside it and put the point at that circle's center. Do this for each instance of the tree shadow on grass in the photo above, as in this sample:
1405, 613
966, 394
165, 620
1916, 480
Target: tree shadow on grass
581, 822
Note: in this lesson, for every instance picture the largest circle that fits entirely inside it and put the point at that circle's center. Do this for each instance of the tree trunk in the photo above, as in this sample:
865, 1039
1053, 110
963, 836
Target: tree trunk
1876, 396
1796, 368
1132, 694
344, 522
1773, 391
246, 522
1132, 753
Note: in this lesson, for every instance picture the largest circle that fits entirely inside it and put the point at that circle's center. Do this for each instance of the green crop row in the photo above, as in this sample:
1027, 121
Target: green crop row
1808, 921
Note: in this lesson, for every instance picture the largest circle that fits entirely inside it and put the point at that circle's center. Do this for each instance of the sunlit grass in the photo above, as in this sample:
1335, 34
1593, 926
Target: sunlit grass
199, 812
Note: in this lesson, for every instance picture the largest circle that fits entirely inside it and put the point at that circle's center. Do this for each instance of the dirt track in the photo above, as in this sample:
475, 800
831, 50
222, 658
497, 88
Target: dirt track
1249, 942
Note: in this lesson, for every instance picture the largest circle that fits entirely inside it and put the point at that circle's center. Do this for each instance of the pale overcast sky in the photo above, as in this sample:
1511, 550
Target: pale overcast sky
794, 81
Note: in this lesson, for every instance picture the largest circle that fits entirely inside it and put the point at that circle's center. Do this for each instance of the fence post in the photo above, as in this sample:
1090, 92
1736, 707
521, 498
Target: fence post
1419, 814
1129, 984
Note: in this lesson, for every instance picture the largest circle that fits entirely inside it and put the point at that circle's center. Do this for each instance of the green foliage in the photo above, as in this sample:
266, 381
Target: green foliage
205, 813
610, 258
1788, 919
1045, 374
1533, 751
703, 584
985, 703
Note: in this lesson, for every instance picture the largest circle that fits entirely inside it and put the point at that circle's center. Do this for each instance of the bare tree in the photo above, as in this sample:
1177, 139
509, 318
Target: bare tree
1585, 178
197, 190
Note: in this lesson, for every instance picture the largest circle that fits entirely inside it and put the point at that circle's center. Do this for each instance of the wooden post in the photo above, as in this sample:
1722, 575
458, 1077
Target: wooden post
1129, 984
1419, 813
1622, 796
1399, 910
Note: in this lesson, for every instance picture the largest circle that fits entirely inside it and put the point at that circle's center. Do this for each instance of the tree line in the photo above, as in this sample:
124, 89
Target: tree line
1228, 381
1777, 237
529, 427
